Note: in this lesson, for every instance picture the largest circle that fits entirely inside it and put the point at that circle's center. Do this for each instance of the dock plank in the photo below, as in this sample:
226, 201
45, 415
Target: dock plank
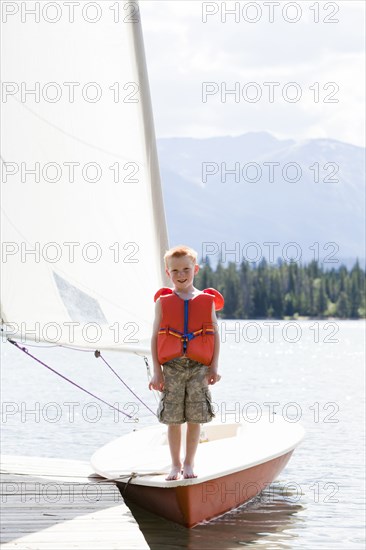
55, 504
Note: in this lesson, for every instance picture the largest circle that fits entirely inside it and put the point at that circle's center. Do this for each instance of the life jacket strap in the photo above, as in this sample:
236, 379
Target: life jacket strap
188, 336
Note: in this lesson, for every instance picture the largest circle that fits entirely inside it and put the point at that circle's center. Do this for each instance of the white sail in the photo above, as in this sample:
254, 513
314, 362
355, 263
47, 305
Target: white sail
79, 166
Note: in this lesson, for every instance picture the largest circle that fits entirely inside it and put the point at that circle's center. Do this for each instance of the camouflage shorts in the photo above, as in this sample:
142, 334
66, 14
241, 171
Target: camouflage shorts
186, 397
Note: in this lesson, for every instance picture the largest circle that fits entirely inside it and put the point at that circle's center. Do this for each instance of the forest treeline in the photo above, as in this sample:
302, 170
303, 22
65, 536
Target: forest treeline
286, 290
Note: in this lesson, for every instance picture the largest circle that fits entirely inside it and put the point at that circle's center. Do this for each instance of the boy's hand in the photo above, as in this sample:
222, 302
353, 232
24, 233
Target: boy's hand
213, 376
157, 382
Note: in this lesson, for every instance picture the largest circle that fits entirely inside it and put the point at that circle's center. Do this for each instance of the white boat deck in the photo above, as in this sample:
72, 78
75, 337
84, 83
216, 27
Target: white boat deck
224, 449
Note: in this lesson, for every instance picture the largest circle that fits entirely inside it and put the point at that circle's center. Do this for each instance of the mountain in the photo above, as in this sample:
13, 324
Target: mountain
313, 196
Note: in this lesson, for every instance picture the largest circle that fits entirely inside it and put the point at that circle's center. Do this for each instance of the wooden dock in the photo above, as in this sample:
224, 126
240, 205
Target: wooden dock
54, 504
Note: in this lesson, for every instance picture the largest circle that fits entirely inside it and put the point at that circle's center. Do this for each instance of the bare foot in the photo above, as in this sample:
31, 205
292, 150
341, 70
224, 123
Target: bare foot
174, 473
188, 471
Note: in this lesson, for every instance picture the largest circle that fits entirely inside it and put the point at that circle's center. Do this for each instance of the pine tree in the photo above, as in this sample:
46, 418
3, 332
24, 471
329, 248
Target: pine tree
291, 278
355, 290
246, 304
322, 302
276, 296
232, 285
342, 306
289, 304
205, 277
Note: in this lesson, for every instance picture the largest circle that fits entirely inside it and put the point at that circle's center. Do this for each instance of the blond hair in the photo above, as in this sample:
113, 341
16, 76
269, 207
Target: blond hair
178, 252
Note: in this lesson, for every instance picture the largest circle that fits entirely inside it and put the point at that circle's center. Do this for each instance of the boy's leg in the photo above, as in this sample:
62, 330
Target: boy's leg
174, 438
171, 411
193, 436
198, 410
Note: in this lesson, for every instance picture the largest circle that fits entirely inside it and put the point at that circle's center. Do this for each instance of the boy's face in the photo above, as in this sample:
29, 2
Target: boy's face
182, 271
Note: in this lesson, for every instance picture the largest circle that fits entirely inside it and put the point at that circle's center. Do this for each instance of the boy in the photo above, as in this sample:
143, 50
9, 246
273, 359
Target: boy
186, 343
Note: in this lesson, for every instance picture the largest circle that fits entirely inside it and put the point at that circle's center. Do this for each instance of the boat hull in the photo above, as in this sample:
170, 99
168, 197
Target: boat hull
189, 505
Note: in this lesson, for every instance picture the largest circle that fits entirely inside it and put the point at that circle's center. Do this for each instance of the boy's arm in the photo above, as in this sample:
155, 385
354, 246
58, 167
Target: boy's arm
157, 381
213, 374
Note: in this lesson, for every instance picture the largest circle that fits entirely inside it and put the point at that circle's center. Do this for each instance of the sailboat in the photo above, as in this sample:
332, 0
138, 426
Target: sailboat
84, 232
234, 463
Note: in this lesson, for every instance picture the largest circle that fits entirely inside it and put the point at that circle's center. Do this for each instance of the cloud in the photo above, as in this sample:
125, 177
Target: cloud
182, 52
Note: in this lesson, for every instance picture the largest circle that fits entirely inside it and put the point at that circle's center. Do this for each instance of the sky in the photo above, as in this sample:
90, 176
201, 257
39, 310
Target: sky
314, 67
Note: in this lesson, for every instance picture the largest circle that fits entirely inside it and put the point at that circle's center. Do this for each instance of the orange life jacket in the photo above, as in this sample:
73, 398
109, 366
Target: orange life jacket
186, 325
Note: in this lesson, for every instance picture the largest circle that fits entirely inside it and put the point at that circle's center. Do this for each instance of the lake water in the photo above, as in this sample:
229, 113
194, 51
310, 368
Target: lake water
310, 371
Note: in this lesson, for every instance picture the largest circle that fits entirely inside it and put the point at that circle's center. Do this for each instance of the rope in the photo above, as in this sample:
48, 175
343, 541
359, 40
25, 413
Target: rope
98, 354
134, 475
67, 379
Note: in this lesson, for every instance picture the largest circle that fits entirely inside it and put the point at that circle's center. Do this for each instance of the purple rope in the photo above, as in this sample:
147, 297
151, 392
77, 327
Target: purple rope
98, 354
65, 378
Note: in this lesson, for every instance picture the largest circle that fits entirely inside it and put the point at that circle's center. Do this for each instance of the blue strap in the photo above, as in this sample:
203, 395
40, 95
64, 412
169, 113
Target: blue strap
185, 324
